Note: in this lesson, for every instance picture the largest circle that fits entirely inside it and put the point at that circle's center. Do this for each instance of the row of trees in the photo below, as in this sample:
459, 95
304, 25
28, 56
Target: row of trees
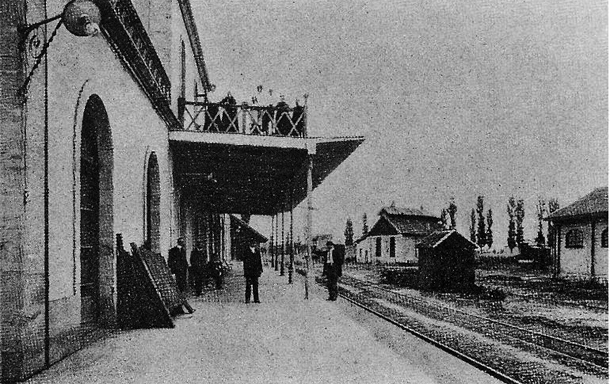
480, 225
481, 222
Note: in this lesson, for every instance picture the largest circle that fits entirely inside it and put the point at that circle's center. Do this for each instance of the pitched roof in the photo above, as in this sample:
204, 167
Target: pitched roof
404, 225
593, 204
399, 211
193, 34
436, 238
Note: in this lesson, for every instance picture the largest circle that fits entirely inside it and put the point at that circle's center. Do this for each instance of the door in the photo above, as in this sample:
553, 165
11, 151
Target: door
89, 220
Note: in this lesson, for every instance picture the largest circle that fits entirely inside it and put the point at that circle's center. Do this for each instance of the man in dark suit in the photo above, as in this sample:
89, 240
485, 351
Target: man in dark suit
333, 264
178, 265
198, 262
253, 267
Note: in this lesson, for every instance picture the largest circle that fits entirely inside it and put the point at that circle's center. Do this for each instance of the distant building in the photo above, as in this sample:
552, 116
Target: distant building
580, 249
393, 237
242, 234
361, 250
318, 242
446, 262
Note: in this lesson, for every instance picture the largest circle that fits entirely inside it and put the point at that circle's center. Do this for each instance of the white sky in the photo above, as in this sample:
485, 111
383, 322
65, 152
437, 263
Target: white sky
455, 98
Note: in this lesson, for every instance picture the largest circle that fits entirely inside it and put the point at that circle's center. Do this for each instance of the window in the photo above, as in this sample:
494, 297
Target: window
605, 238
378, 247
392, 247
574, 238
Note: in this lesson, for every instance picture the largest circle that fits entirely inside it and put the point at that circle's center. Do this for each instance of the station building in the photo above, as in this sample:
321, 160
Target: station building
393, 238
108, 129
580, 248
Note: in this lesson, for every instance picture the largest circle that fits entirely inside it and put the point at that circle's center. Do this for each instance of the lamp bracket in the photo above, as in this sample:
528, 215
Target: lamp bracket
25, 31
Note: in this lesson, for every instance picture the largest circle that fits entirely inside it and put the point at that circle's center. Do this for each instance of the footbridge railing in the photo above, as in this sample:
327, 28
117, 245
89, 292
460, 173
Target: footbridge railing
279, 120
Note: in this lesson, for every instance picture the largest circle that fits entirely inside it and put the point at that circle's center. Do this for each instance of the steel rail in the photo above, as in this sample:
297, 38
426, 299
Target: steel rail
475, 363
600, 355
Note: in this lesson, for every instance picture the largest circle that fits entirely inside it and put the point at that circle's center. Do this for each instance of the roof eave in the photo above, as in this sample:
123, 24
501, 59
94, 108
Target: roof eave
191, 29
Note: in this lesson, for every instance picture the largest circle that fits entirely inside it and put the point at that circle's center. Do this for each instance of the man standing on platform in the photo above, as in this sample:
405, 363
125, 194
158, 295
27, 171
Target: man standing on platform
253, 267
198, 261
332, 269
178, 265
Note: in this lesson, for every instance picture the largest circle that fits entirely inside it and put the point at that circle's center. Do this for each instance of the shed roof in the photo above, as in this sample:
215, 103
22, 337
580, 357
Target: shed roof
593, 204
236, 222
438, 237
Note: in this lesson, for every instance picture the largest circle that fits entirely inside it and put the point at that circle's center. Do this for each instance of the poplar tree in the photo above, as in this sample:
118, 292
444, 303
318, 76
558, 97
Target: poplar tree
349, 232
452, 212
540, 212
511, 240
473, 231
489, 234
481, 241
519, 216
365, 226
444, 222
552, 206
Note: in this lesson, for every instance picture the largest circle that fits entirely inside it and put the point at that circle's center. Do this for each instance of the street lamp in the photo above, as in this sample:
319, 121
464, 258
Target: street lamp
81, 18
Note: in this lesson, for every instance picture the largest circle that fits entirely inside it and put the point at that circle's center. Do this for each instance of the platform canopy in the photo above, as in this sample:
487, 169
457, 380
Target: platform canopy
258, 175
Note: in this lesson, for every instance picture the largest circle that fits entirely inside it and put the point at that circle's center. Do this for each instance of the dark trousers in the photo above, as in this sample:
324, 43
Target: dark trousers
252, 285
331, 282
181, 280
197, 279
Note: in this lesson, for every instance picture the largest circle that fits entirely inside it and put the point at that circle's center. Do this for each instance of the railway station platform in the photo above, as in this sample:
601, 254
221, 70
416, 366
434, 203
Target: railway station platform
284, 339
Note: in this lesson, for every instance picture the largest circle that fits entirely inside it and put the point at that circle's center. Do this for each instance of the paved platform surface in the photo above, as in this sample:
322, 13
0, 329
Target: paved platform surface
285, 339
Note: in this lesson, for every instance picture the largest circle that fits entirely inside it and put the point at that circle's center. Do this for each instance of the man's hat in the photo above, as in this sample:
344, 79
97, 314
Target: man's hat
329, 243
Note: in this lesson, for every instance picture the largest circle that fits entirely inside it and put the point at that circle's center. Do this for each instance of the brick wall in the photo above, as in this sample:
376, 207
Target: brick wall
11, 187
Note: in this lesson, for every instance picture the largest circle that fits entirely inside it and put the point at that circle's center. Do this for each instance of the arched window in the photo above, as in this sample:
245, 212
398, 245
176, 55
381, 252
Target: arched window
574, 238
153, 204
605, 238
96, 211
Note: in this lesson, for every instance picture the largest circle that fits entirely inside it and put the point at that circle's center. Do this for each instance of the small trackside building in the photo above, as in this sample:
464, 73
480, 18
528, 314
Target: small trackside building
580, 247
446, 262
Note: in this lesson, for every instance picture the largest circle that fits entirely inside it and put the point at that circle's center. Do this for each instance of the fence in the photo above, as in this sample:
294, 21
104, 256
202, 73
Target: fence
244, 118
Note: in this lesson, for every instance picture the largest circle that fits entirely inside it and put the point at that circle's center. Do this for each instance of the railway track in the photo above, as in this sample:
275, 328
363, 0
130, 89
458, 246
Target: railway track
455, 331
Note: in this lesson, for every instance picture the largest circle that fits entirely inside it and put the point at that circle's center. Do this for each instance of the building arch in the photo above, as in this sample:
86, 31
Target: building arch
152, 203
96, 224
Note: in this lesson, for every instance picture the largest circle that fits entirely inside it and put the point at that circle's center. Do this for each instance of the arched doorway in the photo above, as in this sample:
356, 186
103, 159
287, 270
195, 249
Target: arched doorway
153, 204
96, 216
